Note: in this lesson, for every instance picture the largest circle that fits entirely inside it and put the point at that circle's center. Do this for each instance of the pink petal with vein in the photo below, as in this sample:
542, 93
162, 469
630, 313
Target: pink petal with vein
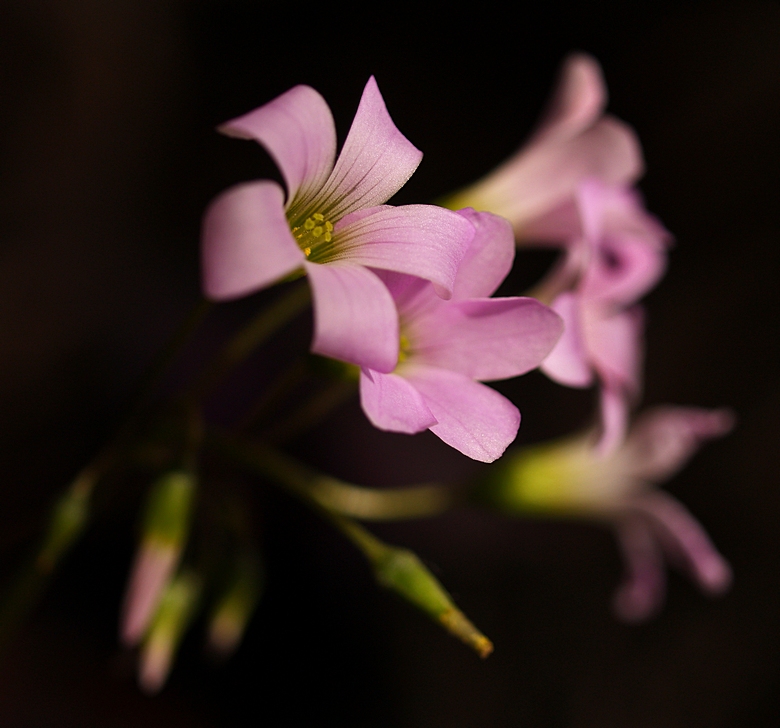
486, 339
376, 161
246, 241
420, 240
355, 319
392, 403
488, 259
297, 130
472, 417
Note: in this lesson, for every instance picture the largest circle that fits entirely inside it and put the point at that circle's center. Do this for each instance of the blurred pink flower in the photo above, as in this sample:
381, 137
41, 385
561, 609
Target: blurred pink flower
332, 224
619, 256
535, 188
448, 347
570, 478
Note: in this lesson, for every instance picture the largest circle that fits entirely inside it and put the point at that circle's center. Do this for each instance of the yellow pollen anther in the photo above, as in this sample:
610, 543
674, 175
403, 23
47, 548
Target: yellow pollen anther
314, 235
403, 349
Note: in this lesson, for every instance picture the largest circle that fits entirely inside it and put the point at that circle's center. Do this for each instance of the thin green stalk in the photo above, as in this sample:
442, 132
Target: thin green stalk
267, 322
313, 411
401, 571
289, 378
397, 569
71, 512
333, 495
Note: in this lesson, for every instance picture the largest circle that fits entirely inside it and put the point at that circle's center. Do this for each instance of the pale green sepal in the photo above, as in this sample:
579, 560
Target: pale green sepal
167, 516
236, 604
401, 571
69, 517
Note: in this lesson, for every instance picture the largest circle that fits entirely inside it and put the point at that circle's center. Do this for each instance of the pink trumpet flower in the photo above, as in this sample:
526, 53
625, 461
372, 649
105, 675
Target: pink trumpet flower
448, 347
619, 256
535, 188
332, 223
570, 478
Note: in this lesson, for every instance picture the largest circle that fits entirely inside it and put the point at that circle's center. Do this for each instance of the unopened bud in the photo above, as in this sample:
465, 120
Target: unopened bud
68, 521
174, 612
236, 605
402, 571
166, 526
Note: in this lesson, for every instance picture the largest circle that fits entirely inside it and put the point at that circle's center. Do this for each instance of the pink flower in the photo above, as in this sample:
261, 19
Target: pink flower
570, 477
575, 140
332, 223
620, 255
448, 347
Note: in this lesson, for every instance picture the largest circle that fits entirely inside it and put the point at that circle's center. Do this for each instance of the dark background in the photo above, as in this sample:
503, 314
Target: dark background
107, 158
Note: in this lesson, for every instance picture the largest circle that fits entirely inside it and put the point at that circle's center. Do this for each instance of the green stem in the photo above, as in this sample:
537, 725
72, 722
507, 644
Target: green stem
267, 322
289, 378
397, 569
71, 513
401, 570
333, 495
312, 411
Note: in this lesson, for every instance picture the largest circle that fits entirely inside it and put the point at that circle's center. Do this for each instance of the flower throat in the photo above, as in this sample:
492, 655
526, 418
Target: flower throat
314, 236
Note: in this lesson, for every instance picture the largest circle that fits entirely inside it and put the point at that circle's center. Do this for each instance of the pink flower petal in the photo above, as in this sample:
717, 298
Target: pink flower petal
560, 225
485, 339
686, 540
642, 592
615, 345
246, 241
665, 438
488, 259
472, 417
297, 130
628, 245
355, 319
420, 240
543, 175
392, 403
578, 100
568, 363
614, 408
376, 161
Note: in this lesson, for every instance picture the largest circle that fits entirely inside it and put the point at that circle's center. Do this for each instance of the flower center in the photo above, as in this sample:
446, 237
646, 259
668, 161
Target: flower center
314, 236
404, 350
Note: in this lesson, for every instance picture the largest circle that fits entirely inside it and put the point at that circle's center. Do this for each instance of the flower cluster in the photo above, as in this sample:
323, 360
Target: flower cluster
570, 187
404, 298
402, 292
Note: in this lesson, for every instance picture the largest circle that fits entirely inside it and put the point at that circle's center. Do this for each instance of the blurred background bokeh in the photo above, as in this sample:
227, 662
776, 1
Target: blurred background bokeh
108, 156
